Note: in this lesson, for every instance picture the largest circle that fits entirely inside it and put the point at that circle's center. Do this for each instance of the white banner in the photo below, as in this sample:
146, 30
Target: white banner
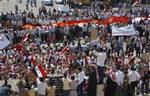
138, 19
123, 31
63, 8
4, 42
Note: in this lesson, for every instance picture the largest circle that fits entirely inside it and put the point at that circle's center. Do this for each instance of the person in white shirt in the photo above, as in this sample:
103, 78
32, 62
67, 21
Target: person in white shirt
41, 87
101, 57
80, 81
134, 78
119, 75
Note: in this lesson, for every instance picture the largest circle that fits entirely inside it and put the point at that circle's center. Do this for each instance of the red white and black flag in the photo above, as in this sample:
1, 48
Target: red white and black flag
25, 37
136, 3
33, 61
39, 71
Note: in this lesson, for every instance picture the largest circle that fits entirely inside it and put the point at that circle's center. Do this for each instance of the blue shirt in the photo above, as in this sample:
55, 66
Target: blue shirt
4, 91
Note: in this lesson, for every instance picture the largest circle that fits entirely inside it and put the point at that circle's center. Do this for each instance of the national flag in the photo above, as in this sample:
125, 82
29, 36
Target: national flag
112, 19
25, 37
40, 71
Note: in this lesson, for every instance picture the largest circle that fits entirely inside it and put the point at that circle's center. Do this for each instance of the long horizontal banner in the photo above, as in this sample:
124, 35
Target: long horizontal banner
112, 19
123, 31
138, 19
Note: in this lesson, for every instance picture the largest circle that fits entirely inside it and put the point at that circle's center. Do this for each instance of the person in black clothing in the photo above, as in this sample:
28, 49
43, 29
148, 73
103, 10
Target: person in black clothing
57, 34
24, 20
14, 39
16, 8
145, 81
92, 82
35, 3
110, 86
5, 90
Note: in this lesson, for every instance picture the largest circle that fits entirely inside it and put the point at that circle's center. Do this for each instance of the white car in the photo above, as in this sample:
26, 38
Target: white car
63, 8
48, 2
60, 1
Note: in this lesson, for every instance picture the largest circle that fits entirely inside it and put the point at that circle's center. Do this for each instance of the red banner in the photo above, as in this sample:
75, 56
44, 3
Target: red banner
112, 19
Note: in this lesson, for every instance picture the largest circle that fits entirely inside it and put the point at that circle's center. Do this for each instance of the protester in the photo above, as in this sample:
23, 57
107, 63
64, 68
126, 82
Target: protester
134, 78
80, 81
51, 89
119, 80
30, 91
66, 85
101, 57
145, 81
5, 90
41, 87
92, 82
54, 43
73, 84
110, 84
22, 90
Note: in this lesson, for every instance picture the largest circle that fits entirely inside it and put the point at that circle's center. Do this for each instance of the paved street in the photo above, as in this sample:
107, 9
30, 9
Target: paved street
9, 5
6, 6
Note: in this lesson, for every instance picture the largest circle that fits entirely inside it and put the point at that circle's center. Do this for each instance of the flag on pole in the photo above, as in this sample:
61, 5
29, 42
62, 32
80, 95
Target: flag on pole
40, 71
33, 61
25, 37
136, 3
37, 69
64, 49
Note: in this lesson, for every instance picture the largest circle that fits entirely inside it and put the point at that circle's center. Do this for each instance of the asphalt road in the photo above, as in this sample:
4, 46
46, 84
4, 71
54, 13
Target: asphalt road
7, 6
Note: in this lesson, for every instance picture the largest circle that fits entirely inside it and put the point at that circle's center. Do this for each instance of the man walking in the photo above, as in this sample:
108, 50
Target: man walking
80, 81
119, 80
101, 57
134, 78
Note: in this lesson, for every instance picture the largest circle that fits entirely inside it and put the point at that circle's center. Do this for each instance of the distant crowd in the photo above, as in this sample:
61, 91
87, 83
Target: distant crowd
84, 59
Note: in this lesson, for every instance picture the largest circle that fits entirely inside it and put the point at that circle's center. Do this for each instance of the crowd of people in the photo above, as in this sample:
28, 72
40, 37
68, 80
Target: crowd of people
120, 63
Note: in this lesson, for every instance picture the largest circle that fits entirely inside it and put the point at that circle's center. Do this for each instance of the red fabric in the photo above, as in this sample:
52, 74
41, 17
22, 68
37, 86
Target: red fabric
135, 2
64, 50
33, 61
113, 76
25, 37
71, 57
65, 60
112, 19
85, 61
42, 70
117, 19
19, 47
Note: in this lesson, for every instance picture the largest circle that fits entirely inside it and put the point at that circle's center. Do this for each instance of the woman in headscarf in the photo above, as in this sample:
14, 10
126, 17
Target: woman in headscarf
110, 83
92, 82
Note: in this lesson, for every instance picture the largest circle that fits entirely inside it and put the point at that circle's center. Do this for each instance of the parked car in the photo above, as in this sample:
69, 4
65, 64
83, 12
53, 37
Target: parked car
60, 1
48, 2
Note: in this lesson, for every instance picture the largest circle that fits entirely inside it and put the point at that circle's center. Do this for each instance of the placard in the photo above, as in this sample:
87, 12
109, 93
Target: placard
4, 42
58, 83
